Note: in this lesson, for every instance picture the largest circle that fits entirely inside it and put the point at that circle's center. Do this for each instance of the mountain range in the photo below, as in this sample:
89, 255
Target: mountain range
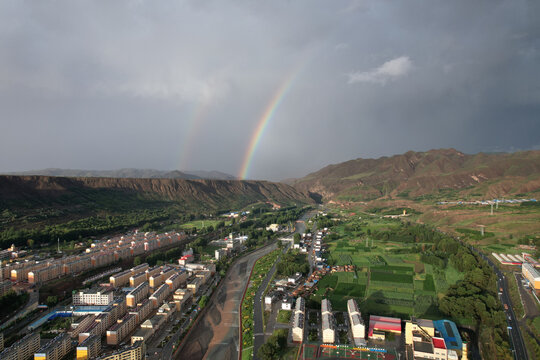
436, 173
130, 173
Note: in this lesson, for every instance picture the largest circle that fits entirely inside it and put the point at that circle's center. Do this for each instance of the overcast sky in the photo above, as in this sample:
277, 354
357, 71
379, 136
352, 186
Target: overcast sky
183, 84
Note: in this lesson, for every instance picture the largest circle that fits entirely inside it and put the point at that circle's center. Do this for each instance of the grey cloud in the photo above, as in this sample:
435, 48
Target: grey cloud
107, 85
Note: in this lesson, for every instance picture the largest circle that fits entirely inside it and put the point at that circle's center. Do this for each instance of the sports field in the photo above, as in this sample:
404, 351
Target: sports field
312, 352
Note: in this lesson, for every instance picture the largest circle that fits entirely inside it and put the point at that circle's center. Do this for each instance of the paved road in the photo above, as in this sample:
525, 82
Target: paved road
258, 327
529, 303
518, 345
216, 333
258, 313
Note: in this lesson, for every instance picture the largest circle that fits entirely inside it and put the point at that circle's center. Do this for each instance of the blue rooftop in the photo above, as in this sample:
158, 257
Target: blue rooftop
450, 334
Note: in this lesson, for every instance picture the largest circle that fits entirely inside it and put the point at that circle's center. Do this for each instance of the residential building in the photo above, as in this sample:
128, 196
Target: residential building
298, 327
194, 285
5, 287
136, 351
328, 329
143, 310
118, 332
357, 323
120, 279
136, 295
160, 295
137, 279
23, 349
89, 348
141, 335
55, 349
177, 279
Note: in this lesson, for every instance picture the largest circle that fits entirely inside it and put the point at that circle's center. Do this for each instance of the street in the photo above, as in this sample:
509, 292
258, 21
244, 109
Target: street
517, 344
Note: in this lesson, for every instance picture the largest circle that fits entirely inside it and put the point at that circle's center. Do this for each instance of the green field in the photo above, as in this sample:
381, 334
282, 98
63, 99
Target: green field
390, 277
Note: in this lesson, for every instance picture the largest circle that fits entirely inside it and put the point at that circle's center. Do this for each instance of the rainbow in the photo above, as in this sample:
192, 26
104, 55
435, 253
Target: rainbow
194, 122
263, 122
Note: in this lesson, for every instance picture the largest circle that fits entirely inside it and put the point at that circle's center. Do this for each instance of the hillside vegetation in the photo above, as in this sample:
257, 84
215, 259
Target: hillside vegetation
44, 208
433, 175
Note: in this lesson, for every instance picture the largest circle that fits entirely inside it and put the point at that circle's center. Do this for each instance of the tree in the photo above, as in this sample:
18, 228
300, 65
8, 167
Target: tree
137, 261
297, 238
51, 300
30, 243
203, 301
268, 351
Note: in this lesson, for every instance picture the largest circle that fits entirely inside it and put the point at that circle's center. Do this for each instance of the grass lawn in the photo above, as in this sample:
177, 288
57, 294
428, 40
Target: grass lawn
199, 224
284, 316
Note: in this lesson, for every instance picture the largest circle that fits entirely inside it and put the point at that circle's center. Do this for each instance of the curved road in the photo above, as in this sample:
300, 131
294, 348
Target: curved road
216, 333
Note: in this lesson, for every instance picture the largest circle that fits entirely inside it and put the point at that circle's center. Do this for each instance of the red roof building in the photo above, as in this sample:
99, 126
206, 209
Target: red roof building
383, 323
439, 343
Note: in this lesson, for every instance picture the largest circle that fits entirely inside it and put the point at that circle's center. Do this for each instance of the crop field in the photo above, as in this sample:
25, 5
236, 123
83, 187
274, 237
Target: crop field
389, 280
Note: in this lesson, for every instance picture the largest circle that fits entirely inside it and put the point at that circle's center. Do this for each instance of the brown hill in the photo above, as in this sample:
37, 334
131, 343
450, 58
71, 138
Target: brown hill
30, 190
435, 173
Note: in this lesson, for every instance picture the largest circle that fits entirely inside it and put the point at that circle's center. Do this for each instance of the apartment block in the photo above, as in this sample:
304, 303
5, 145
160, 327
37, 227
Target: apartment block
204, 275
5, 287
118, 332
136, 295
81, 326
89, 348
23, 349
152, 271
143, 310
55, 349
177, 279
134, 352
120, 279
298, 327
357, 323
160, 295
139, 268
194, 285
137, 279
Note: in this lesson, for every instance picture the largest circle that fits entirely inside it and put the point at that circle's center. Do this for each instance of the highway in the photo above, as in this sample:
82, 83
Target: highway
517, 344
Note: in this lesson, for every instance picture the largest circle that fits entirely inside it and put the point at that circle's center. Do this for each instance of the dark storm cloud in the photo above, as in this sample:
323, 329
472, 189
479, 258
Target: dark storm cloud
106, 85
